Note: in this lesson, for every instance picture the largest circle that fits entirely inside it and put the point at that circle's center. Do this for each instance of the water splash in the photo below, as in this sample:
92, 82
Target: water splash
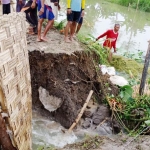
46, 133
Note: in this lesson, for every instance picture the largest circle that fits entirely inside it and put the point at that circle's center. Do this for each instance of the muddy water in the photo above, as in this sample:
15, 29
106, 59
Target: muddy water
101, 15
46, 133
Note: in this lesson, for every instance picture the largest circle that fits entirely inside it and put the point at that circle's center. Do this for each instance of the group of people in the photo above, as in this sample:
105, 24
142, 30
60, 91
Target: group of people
48, 9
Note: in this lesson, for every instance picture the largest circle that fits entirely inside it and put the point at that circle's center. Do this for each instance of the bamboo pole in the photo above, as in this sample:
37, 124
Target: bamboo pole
81, 112
144, 73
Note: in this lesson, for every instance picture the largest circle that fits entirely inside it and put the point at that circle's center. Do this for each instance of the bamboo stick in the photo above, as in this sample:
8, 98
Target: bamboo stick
81, 112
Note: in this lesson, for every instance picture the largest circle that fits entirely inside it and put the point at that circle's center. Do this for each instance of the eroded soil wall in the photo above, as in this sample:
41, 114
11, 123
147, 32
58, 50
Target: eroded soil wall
69, 77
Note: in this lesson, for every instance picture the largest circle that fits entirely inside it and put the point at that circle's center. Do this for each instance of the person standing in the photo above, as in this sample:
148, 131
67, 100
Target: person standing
73, 15
19, 5
111, 38
45, 12
6, 6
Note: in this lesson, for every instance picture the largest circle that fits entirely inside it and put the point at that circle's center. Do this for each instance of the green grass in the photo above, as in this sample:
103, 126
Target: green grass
143, 5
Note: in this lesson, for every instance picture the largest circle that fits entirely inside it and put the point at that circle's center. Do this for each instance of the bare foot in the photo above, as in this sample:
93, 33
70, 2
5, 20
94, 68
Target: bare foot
39, 40
67, 40
74, 36
71, 39
44, 39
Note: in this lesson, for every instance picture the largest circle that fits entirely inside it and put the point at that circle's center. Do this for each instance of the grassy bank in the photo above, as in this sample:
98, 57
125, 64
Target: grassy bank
143, 5
132, 113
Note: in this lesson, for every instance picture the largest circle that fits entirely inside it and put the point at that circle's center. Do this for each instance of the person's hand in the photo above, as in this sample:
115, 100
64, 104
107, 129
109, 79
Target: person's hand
82, 14
33, 5
41, 11
96, 39
69, 11
59, 7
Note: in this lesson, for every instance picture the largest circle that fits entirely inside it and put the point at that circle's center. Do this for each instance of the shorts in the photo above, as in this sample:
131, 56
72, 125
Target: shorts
6, 8
55, 10
80, 20
48, 14
74, 16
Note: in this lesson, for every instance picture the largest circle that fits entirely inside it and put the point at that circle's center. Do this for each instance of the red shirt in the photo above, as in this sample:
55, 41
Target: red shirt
111, 38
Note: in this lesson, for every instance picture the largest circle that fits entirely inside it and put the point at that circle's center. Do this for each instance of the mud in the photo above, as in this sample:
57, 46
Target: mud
70, 78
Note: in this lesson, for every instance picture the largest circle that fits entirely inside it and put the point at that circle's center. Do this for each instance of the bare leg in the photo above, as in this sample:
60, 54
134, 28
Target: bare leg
39, 29
48, 26
73, 28
78, 28
68, 26
110, 57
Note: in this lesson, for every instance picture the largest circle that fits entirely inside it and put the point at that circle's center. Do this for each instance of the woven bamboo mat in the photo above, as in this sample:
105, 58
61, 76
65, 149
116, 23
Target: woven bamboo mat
15, 78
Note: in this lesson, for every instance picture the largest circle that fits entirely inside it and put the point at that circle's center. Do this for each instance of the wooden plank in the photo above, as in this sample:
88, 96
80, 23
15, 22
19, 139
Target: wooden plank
82, 111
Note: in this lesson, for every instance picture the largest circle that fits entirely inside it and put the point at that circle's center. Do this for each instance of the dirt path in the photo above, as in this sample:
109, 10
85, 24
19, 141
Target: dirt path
55, 44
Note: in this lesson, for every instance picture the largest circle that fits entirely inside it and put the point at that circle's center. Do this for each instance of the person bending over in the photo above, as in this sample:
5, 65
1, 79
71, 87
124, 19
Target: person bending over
110, 41
30, 10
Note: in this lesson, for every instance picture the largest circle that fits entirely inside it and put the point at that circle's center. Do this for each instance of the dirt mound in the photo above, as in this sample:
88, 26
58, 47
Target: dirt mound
69, 77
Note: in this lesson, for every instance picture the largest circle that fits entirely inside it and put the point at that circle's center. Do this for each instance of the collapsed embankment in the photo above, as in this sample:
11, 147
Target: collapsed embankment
69, 78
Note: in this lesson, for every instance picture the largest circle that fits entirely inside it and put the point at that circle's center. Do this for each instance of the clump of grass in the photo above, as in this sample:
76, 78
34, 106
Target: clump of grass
126, 65
92, 45
143, 5
59, 25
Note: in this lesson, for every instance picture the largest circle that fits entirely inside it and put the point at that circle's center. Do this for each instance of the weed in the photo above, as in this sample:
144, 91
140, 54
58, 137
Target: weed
96, 47
60, 25
143, 5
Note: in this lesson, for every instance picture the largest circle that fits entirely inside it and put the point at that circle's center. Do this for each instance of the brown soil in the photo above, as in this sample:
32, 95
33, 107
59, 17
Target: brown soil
66, 76
51, 70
